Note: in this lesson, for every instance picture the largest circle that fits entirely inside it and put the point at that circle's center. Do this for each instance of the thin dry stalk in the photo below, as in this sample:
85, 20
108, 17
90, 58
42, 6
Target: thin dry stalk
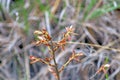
94, 45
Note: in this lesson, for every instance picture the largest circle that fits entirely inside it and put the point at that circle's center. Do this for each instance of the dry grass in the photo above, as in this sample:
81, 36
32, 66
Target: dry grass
95, 22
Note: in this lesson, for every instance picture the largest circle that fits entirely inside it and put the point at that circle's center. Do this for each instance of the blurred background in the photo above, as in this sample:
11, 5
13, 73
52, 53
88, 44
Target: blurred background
97, 22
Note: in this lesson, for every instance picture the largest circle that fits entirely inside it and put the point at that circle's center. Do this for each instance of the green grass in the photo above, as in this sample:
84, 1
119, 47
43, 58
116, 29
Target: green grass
105, 8
24, 13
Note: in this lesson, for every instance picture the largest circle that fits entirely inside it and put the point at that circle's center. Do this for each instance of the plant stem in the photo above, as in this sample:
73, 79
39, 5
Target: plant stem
56, 68
55, 63
106, 61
